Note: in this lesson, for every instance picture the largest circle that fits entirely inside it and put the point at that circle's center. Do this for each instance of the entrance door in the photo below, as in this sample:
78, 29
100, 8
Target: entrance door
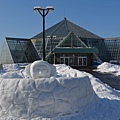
71, 61
82, 61
61, 60
64, 60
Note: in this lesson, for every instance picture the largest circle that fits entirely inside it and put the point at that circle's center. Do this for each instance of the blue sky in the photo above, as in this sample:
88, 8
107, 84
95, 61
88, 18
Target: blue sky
17, 18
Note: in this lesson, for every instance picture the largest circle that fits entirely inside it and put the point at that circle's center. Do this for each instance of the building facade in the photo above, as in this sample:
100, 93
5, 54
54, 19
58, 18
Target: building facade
109, 49
65, 43
74, 57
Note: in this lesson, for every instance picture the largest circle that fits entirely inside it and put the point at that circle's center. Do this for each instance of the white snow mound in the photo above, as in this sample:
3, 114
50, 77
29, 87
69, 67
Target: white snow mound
109, 68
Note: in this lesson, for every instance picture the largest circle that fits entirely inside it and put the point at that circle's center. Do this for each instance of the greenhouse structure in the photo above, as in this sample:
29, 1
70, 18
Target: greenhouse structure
65, 43
18, 50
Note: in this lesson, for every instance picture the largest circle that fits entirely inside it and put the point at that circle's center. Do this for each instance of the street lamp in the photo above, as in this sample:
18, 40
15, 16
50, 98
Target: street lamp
43, 13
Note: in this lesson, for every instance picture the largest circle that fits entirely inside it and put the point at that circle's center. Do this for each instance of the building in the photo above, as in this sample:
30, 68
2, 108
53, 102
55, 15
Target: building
113, 50
109, 48
66, 36
18, 50
72, 51
74, 57
66, 43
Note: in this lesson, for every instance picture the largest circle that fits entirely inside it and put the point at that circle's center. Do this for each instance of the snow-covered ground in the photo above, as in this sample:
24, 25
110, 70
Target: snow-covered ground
107, 101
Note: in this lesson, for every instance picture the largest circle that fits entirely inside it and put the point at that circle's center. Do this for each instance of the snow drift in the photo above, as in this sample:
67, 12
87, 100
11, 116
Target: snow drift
109, 68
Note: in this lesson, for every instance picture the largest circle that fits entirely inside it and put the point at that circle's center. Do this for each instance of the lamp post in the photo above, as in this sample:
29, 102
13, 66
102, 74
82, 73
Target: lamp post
43, 13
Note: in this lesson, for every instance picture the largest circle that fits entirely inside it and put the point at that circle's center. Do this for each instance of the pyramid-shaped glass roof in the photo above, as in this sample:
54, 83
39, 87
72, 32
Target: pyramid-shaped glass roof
63, 28
18, 50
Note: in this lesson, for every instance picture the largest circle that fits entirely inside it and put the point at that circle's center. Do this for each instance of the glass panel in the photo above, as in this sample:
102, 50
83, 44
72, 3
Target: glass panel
61, 60
66, 61
71, 61
72, 41
82, 61
5, 54
113, 47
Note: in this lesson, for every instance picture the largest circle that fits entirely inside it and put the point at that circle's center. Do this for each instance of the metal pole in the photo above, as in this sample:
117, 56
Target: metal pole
44, 35
43, 12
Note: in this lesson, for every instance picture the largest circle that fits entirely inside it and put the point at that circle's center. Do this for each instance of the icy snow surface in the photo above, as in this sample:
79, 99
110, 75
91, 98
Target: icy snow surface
84, 97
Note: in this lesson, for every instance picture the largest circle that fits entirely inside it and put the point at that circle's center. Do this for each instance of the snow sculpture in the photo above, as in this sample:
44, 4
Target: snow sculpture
29, 98
27, 71
40, 69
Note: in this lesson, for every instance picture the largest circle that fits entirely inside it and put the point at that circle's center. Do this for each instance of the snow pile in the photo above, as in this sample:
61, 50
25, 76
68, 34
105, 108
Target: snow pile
15, 74
109, 68
68, 92
11, 71
11, 67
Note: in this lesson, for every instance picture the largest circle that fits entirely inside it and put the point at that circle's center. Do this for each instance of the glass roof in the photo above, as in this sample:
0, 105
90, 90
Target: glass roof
18, 51
63, 28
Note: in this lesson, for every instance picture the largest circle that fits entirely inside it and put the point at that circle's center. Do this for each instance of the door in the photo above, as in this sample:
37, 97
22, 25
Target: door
64, 60
82, 61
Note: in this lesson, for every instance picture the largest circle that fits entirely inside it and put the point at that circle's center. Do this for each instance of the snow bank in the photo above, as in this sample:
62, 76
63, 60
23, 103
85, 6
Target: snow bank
69, 91
11, 71
11, 67
109, 68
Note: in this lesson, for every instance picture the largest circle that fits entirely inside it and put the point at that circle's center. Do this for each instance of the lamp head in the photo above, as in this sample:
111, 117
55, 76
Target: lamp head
50, 8
37, 8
